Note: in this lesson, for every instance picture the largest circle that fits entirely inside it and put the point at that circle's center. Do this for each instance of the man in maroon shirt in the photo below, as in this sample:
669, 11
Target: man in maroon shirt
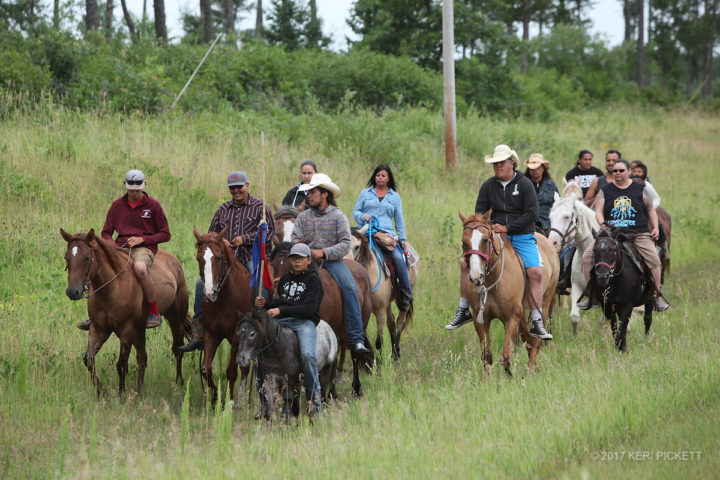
140, 223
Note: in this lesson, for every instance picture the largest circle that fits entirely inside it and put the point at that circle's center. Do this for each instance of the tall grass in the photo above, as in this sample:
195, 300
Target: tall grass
434, 413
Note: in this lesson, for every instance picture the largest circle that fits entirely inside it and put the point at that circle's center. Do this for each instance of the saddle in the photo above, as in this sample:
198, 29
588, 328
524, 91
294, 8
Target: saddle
384, 240
626, 243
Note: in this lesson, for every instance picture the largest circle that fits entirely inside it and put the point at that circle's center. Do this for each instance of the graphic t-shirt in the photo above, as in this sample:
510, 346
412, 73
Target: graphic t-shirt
584, 177
624, 207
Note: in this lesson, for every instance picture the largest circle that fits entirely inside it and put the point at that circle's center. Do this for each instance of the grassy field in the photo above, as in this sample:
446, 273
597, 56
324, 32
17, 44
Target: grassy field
586, 411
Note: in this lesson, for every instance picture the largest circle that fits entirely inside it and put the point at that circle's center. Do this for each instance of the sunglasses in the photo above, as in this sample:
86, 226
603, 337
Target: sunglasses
236, 187
619, 171
134, 182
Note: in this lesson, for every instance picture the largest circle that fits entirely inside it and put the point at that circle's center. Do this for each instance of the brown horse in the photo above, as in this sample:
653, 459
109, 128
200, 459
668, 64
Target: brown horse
383, 292
331, 307
496, 271
227, 292
116, 304
285, 216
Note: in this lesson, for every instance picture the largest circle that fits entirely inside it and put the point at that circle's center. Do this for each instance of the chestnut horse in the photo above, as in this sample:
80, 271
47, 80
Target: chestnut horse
331, 306
285, 216
116, 303
495, 269
227, 292
383, 293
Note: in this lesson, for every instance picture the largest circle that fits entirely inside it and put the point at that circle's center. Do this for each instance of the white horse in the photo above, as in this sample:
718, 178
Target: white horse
571, 220
382, 293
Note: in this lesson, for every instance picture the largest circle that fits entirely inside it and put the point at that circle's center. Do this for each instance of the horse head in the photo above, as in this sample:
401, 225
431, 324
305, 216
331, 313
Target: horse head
285, 216
606, 254
477, 243
214, 260
79, 262
563, 221
279, 263
359, 244
250, 333
572, 189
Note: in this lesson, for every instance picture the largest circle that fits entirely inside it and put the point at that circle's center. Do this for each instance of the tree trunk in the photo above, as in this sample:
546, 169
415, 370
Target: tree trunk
160, 27
627, 13
229, 16
128, 20
206, 15
712, 11
640, 43
109, 10
525, 35
56, 14
91, 16
258, 19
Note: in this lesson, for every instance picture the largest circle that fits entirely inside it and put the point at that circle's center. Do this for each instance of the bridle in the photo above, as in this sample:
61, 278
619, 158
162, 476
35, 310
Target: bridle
225, 263
611, 266
86, 284
569, 231
499, 255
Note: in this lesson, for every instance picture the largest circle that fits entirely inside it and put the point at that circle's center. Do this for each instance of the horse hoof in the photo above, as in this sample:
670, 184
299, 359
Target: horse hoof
378, 344
357, 393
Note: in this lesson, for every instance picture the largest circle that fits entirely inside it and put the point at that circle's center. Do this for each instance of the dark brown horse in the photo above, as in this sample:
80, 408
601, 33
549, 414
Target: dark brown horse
331, 307
666, 223
498, 287
285, 216
227, 292
115, 300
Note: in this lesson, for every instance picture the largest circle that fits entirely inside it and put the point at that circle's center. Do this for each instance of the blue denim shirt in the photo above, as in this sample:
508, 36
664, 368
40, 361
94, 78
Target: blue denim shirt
387, 211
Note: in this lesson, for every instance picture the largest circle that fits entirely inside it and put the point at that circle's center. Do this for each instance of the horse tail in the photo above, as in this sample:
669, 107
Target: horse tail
187, 327
409, 313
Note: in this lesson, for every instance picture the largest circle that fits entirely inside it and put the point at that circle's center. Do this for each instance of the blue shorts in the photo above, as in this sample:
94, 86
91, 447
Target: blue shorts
526, 246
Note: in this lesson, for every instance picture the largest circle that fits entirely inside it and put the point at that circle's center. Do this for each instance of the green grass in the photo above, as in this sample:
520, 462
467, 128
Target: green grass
433, 414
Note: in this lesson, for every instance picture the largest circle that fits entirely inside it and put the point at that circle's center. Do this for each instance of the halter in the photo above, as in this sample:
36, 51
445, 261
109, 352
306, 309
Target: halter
220, 284
570, 230
86, 284
257, 353
499, 254
611, 266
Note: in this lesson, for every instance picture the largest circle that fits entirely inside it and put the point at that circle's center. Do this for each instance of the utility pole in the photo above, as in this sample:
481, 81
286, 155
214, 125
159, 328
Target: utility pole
449, 83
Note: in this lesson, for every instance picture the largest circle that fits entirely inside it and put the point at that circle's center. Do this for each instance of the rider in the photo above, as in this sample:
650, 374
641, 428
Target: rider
242, 215
325, 229
584, 172
538, 171
382, 201
611, 157
514, 204
299, 294
140, 223
294, 196
624, 203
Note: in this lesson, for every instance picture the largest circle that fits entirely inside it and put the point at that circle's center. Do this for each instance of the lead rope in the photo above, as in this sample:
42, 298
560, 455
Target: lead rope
374, 249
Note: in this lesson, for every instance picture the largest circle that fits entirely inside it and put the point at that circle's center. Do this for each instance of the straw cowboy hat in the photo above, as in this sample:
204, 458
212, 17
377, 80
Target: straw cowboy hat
323, 181
536, 160
502, 153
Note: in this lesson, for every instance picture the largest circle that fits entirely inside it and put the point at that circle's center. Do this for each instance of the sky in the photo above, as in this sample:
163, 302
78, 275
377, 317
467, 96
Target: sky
606, 16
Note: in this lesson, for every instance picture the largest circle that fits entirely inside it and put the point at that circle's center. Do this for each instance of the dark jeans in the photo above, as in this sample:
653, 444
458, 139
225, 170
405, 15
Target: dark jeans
398, 259
351, 303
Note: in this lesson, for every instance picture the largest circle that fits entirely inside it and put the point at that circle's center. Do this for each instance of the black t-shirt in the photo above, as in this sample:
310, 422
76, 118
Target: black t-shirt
584, 178
624, 207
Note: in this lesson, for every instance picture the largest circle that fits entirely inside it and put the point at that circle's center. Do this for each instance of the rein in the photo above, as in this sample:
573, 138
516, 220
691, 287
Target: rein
374, 249
570, 230
257, 353
87, 280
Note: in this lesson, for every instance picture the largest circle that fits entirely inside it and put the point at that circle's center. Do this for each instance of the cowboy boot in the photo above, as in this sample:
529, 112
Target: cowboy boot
197, 336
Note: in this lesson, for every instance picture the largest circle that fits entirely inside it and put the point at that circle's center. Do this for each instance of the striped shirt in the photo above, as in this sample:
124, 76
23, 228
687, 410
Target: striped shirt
242, 220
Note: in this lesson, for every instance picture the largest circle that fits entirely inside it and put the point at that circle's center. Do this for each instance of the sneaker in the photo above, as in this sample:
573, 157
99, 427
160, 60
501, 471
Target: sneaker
661, 305
84, 325
462, 316
153, 321
538, 330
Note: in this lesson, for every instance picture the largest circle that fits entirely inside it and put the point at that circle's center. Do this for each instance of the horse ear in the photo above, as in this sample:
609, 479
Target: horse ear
65, 235
565, 182
301, 207
364, 229
488, 214
463, 218
594, 233
90, 235
196, 232
276, 206
222, 232
556, 196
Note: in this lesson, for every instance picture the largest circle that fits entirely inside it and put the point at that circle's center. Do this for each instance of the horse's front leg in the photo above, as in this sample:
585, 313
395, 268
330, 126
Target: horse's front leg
511, 333
96, 340
380, 320
122, 363
231, 375
647, 317
483, 333
620, 335
532, 344
356, 386
210, 344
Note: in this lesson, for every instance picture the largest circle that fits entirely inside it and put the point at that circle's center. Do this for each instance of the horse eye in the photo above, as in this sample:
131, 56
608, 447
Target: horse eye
251, 335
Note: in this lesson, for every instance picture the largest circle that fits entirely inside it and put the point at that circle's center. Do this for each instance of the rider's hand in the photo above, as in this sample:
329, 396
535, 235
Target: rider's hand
317, 253
655, 233
497, 228
134, 241
259, 302
237, 241
274, 312
367, 217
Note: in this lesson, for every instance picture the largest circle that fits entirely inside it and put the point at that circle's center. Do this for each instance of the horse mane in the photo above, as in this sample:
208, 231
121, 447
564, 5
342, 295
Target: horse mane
483, 218
279, 248
587, 221
286, 211
115, 255
364, 244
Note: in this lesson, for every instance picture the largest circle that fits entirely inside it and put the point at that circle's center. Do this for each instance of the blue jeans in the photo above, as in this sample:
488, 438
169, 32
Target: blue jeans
351, 303
398, 259
306, 335
200, 292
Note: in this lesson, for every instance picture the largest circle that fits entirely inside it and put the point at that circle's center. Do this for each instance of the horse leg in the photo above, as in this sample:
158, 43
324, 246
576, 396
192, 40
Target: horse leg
394, 336
96, 340
141, 357
380, 319
649, 305
511, 333
532, 344
621, 333
231, 375
356, 386
210, 347
237, 401
177, 328
483, 333
576, 291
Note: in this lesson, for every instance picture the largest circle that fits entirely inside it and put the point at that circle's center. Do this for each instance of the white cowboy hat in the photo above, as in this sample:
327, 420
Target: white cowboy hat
502, 153
536, 160
323, 181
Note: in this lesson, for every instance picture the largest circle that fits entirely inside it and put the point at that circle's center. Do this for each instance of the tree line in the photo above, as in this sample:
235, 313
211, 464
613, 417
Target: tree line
667, 53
